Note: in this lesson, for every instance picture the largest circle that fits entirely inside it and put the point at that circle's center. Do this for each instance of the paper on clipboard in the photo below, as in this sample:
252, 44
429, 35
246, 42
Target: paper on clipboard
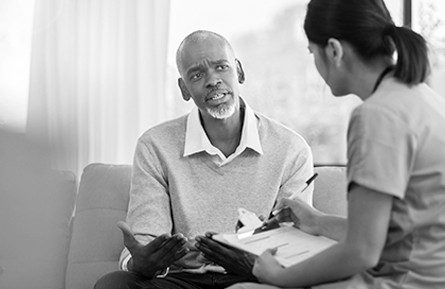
293, 245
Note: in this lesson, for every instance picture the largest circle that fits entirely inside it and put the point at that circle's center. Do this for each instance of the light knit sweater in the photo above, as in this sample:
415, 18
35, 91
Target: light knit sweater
191, 195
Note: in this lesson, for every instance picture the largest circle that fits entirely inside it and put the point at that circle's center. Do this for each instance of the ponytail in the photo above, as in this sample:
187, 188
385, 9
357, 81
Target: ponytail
412, 66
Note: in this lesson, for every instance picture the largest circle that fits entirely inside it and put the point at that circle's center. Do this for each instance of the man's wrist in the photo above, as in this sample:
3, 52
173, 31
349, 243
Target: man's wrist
158, 273
132, 268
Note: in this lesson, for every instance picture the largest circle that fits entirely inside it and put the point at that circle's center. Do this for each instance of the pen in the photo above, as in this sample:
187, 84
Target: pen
308, 182
270, 223
297, 192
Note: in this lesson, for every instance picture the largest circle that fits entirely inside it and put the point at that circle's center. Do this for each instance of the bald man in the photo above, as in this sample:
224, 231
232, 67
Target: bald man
191, 174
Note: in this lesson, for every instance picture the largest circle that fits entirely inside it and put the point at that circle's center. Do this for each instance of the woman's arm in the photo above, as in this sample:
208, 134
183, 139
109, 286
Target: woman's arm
360, 248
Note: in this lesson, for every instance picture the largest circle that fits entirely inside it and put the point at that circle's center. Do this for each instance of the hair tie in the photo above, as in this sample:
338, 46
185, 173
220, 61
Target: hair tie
390, 29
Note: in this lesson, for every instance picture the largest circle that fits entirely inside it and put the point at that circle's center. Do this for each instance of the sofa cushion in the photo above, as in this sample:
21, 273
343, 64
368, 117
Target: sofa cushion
36, 208
97, 242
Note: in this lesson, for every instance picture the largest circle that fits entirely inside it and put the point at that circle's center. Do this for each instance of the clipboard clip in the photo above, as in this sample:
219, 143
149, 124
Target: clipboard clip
249, 224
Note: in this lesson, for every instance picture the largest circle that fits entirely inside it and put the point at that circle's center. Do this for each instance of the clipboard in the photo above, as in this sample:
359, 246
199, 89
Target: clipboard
294, 245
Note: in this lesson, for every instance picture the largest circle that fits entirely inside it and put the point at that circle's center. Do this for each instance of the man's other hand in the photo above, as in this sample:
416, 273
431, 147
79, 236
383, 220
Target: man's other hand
233, 260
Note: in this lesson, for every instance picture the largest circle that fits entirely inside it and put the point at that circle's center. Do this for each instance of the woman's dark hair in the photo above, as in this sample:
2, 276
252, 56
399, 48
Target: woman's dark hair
367, 25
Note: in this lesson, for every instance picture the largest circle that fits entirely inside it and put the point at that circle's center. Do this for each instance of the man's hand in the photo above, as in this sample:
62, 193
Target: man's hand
233, 260
156, 255
192, 260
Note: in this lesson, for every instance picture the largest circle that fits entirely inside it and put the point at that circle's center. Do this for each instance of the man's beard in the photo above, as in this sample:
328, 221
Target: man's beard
222, 111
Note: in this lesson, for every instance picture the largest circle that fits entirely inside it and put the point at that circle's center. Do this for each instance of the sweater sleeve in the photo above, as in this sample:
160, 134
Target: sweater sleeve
299, 168
149, 207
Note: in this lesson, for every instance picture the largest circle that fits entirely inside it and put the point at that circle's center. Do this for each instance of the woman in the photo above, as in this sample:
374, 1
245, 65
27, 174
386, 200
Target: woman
394, 236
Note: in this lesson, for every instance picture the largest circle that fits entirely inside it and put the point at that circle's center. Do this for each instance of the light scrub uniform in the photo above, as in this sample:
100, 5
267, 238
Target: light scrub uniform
396, 145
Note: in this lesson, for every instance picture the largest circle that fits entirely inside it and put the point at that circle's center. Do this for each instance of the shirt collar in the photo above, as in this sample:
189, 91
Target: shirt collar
196, 139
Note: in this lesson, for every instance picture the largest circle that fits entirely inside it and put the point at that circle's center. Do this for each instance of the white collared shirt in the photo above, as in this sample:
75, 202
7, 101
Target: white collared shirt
196, 139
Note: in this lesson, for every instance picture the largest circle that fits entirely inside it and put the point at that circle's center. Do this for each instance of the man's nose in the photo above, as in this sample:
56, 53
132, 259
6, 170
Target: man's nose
213, 79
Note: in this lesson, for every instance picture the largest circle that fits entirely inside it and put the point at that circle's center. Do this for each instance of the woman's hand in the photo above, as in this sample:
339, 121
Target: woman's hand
304, 216
266, 267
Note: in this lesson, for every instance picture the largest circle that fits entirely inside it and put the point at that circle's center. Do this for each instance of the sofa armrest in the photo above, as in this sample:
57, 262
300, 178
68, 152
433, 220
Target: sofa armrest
36, 209
96, 240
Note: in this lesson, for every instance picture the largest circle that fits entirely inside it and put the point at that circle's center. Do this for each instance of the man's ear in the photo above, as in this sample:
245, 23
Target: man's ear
240, 71
335, 51
184, 91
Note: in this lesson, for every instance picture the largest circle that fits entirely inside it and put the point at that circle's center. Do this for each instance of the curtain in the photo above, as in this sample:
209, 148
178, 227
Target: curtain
97, 77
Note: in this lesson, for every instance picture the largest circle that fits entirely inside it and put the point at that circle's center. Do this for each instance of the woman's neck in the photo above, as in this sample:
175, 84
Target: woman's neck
367, 78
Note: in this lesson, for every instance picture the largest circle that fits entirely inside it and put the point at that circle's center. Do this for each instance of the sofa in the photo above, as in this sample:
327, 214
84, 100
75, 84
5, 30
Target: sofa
81, 227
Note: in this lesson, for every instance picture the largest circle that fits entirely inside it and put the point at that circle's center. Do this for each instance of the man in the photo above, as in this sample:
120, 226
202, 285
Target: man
191, 174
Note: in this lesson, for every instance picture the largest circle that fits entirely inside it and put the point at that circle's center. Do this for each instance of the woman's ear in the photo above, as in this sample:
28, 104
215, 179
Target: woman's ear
184, 91
335, 51
240, 71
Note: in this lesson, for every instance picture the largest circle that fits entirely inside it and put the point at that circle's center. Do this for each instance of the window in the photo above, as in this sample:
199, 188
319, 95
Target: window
15, 55
267, 35
427, 19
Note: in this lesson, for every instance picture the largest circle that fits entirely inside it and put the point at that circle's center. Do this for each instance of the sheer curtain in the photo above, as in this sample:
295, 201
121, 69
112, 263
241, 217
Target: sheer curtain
97, 77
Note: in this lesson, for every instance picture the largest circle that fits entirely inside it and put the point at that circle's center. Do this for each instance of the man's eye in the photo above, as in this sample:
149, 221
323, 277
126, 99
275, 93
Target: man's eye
196, 76
222, 67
